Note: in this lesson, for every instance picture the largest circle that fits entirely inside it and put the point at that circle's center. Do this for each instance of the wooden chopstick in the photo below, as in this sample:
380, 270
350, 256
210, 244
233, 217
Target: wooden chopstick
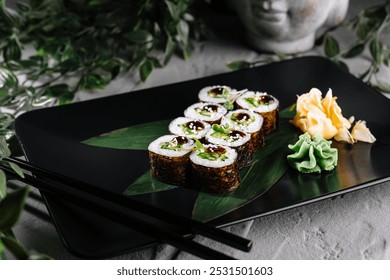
108, 210
194, 226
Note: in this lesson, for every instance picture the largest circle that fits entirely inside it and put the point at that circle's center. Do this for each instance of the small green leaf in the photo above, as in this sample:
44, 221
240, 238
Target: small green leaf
172, 9
342, 65
183, 32
238, 65
3, 184
139, 36
15, 247
89, 81
57, 90
11, 207
383, 86
12, 51
4, 150
156, 62
146, 69
169, 49
377, 12
362, 31
13, 166
354, 51
331, 46
376, 50
8, 78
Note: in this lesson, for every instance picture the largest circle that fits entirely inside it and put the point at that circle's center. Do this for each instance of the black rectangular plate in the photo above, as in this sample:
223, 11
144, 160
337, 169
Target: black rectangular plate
51, 139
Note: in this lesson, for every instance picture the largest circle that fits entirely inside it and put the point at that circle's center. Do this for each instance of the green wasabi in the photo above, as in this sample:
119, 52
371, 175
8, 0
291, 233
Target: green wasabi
312, 155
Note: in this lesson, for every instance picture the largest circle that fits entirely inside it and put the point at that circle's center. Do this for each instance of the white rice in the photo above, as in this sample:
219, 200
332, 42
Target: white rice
260, 109
155, 147
252, 127
227, 142
191, 112
175, 127
205, 97
230, 153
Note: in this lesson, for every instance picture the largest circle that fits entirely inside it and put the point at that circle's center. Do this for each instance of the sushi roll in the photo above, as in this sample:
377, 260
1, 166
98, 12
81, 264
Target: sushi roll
216, 94
189, 127
214, 168
208, 112
236, 139
248, 122
264, 104
169, 158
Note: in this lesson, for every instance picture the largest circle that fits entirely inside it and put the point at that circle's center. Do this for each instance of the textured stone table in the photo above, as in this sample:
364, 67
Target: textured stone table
351, 226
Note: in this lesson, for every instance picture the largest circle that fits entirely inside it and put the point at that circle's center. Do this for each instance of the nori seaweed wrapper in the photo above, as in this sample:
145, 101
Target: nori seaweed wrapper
244, 154
271, 121
215, 179
170, 170
257, 140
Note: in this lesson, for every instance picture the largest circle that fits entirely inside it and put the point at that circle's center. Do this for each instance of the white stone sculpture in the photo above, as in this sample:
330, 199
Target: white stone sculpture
287, 26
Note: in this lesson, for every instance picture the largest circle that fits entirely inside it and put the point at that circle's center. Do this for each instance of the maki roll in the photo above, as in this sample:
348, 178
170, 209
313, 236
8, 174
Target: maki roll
248, 122
189, 127
216, 94
208, 112
214, 168
169, 158
236, 139
264, 104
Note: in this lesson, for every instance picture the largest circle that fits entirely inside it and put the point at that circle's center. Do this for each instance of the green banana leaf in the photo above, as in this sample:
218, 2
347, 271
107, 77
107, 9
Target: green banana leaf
136, 137
147, 184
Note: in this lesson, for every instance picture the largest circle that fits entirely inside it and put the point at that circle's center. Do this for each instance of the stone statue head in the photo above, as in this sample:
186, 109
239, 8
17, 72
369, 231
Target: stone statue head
287, 26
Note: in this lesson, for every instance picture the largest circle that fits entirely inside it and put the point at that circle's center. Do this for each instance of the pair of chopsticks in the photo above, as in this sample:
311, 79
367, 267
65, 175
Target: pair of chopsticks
105, 203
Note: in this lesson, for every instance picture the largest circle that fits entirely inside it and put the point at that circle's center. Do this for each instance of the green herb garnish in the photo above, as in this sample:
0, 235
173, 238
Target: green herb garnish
229, 105
252, 101
198, 145
188, 130
203, 111
220, 132
171, 146
221, 129
213, 157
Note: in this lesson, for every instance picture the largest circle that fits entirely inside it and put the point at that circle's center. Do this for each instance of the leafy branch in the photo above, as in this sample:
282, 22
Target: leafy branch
367, 26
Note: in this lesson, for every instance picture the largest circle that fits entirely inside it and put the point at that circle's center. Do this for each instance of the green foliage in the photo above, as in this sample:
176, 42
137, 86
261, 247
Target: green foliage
367, 27
91, 42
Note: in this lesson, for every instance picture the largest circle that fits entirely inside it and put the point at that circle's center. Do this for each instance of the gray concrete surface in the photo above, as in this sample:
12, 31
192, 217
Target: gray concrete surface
352, 226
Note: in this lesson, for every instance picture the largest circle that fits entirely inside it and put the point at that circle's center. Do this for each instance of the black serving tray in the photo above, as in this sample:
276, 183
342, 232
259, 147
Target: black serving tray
51, 139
